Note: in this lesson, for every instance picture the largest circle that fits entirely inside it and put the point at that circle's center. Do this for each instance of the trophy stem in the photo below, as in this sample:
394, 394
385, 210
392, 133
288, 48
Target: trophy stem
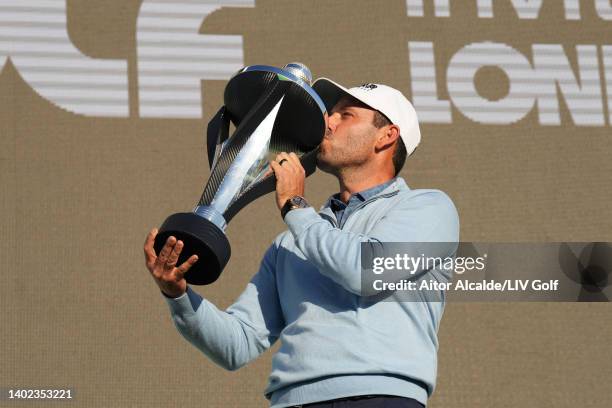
212, 215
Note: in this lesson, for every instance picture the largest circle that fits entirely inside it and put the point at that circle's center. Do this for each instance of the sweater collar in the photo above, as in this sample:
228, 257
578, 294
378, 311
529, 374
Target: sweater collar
393, 185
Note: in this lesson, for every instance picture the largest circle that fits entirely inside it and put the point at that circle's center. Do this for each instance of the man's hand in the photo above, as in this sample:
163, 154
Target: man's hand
167, 275
290, 176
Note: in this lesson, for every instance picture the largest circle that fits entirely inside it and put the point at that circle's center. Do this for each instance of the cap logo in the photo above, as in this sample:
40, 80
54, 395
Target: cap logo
368, 86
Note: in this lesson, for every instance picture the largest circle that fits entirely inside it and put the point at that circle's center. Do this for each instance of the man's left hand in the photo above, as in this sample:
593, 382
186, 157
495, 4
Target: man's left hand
290, 176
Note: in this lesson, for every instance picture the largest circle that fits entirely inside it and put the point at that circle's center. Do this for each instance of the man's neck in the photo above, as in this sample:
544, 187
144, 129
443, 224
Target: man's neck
351, 184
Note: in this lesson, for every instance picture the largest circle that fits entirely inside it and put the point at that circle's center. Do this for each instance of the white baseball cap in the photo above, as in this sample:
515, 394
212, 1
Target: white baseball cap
388, 101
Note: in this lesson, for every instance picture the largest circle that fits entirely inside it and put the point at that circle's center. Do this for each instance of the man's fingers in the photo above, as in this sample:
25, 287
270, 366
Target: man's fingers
295, 159
165, 252
276, 168
182, 270
174, 255
288, 162
149, 251
283, 156
292, 162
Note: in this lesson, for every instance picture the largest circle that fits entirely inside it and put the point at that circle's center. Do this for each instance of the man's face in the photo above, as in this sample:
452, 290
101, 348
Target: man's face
349, 138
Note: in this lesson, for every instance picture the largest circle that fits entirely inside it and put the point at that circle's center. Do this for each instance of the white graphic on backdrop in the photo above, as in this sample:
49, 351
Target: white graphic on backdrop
424, 88
34, 35
173, 58
462, 69
538, 79
530, 9
607, 60
415, 8
525, 9
582, 95
604, 9
550, 78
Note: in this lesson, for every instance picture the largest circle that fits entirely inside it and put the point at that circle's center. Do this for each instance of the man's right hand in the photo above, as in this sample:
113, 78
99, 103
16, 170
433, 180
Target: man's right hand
167, 275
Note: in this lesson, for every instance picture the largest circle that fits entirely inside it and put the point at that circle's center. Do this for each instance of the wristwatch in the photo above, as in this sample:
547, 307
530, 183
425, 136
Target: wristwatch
293, 203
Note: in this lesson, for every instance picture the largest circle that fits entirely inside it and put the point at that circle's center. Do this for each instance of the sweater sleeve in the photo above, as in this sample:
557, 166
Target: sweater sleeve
429, 216
233, 337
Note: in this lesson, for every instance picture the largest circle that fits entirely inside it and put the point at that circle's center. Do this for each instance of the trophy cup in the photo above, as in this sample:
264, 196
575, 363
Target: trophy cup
272, 110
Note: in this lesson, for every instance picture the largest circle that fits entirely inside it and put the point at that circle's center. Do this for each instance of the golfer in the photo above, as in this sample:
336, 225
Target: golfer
339, 348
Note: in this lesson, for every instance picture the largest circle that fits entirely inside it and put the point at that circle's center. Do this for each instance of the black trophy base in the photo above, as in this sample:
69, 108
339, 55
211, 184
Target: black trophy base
200, 237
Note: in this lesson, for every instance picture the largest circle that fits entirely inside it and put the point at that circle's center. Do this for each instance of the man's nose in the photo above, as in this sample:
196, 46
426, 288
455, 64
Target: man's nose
332, 121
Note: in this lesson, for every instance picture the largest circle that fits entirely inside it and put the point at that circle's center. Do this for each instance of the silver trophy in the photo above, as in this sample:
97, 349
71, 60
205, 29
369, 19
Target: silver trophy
273, 110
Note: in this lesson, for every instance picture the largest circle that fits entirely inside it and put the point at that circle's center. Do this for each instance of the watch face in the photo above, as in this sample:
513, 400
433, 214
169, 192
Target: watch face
298, 201
293, 203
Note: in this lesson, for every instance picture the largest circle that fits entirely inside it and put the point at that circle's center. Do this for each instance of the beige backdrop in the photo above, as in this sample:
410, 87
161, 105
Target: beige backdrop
79, 194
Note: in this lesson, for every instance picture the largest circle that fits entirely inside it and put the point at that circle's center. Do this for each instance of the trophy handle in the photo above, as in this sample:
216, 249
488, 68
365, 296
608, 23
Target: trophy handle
309, 162
217, 133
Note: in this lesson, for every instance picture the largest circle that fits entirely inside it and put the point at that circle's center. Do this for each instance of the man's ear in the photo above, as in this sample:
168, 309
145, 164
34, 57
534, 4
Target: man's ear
387, 137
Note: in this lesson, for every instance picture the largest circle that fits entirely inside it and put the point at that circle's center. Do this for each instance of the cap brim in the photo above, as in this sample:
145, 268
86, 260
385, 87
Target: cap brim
329, 91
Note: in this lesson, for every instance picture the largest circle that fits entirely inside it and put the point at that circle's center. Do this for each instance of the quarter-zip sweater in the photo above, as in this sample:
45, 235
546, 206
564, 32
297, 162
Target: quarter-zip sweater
335, 342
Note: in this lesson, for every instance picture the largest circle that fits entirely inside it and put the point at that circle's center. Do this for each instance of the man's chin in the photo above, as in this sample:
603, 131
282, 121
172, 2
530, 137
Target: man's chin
324, 165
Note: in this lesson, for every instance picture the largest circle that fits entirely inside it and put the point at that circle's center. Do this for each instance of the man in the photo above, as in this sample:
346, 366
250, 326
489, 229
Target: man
338, 347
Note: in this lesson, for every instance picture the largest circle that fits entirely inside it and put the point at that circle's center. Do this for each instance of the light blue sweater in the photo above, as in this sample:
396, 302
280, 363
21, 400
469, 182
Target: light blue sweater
307, 293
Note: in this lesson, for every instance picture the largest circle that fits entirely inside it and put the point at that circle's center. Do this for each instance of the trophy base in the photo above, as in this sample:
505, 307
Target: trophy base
200, 237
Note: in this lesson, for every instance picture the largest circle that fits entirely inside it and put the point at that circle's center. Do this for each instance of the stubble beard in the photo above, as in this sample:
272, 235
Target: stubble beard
325, 165
339, 160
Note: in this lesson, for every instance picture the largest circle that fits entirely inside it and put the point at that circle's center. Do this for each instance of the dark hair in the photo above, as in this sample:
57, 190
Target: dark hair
400, 153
